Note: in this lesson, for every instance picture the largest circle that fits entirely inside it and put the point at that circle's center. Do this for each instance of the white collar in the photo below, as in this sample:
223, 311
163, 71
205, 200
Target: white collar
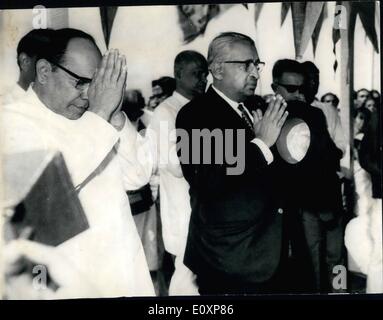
232, 103
180, 98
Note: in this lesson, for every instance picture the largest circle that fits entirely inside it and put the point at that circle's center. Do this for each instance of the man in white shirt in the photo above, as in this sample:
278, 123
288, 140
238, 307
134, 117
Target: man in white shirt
334, 125
29, 48
73, 107
190, 72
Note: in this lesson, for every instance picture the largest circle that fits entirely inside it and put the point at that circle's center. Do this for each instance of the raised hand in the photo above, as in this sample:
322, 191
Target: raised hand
267, 127
107, 88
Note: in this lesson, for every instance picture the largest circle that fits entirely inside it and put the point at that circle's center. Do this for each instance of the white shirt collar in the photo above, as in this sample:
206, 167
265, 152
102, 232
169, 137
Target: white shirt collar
232, 103
180, 98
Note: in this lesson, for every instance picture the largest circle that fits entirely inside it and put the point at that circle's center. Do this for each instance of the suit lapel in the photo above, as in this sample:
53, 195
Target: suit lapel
225, 113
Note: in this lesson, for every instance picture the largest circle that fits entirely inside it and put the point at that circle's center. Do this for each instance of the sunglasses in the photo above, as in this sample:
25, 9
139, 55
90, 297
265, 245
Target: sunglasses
248, 63
81, 83
291, 88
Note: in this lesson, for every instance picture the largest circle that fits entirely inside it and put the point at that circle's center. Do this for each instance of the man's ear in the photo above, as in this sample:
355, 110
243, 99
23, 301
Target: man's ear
216, 70
43, 69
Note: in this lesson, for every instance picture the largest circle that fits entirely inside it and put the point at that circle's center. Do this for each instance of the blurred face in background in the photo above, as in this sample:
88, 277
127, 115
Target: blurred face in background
370, 104
359, 122
329, 100
192, 78
361, 97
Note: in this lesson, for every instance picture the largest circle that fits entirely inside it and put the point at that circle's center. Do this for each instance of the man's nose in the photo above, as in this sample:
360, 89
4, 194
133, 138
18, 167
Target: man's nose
254, 71
299, 96
84, 92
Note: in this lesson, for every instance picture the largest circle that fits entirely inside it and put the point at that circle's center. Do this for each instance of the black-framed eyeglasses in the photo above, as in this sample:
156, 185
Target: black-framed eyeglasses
81, 81
248, 63
290, 88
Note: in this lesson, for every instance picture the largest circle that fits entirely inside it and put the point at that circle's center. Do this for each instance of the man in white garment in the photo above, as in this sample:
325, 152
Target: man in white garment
190, 72
73, 107
334, 125
29, 48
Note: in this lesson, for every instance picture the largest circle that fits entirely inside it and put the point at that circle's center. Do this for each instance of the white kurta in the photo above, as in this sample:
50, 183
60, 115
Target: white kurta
174, 191
103, 165
334, 124
12, 95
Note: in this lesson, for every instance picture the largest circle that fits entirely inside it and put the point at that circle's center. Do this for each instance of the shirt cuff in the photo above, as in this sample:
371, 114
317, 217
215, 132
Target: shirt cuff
265, 150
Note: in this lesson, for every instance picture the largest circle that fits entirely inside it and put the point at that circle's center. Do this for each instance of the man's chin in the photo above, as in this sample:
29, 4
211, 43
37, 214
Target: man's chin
250, 90
76, 112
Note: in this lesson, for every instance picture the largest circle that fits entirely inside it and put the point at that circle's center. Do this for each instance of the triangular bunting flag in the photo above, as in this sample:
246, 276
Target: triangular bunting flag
285, 9
257, 11
313, 11
318, 27
366, 11
298, 10
107, 17
336, 31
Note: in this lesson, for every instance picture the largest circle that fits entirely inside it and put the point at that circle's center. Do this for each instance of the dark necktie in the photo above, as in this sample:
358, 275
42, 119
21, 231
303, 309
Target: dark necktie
245, 116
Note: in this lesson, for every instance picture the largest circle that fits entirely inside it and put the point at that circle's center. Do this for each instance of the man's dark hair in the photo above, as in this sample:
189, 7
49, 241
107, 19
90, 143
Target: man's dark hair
375, 94
286, 65
334, 96
133, 104
35, 42
59, 44
309, 68
366, 113
363, 89
167, 84
185, 57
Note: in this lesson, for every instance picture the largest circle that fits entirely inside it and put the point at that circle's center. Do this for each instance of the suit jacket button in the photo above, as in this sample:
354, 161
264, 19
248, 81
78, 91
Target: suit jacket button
280, 210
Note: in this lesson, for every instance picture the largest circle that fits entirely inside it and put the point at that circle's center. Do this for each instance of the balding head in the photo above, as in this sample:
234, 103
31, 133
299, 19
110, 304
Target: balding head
65, 70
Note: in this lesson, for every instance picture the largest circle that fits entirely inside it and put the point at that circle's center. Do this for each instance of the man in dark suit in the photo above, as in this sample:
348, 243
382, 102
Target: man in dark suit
312, 185
235, 234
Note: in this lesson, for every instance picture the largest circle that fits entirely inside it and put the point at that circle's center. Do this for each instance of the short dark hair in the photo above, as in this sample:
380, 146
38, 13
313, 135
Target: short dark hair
309, 68
363, 89
185, 57
364, 111
35, 42
334, 96
59, 44
286, 65
167, 84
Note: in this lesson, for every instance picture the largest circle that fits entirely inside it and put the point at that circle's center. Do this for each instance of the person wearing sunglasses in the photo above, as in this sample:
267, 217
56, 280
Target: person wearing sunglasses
288, 80
314, 222
73, 107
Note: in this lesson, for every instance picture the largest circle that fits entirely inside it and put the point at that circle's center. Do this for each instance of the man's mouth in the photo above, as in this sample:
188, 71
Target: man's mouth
82, 108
